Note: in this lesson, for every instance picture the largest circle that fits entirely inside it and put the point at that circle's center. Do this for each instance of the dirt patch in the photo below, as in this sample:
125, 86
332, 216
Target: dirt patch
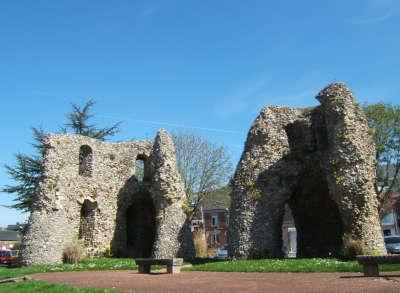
211, 282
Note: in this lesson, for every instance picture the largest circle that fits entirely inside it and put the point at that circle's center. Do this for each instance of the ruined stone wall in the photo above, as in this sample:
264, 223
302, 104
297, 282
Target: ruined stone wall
318, 160
110, 188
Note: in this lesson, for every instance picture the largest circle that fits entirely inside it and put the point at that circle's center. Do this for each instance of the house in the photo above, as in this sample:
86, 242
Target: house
391, 215
213, 221
216, 221
9, 239
213, 218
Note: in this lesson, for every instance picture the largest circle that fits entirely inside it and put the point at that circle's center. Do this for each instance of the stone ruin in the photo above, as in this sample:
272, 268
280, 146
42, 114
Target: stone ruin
93, 192
320, 162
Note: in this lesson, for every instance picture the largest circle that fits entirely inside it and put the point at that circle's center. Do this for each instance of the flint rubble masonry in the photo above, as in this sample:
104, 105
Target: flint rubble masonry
320, 161
81, 171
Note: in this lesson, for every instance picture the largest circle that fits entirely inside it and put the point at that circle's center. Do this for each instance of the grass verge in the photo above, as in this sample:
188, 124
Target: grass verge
39, 287
311, 265
98, 264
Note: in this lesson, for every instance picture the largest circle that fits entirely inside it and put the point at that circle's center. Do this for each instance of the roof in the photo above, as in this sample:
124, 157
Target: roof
219, 199
10, 236
392, 202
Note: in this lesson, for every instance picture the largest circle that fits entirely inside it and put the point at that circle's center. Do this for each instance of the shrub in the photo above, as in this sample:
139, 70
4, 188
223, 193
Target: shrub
352, 247
200, 244
108, 252
73, 253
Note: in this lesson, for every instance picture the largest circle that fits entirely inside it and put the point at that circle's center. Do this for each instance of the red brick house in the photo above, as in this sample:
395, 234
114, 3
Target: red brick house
216, 223
213, 219
390, 220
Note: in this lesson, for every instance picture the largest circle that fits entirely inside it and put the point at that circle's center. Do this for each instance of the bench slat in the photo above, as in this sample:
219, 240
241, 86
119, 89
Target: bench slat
370, 263
155, 261
378, 259
173, 264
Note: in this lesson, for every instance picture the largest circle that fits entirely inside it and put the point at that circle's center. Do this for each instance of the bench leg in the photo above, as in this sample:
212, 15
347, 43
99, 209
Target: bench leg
371, 270
144, 269
173, 269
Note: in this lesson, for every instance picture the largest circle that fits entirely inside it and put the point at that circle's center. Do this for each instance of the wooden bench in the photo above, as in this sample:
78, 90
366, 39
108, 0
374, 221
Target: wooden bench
370, 263
173, 264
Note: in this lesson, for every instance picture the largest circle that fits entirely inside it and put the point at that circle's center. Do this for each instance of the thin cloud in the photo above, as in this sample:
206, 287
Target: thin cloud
161, 123
241, 98
375, 11
381, 18
301, 93
149, 11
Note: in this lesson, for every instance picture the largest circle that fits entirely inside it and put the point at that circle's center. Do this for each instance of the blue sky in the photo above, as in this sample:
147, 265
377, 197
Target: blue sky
206, 66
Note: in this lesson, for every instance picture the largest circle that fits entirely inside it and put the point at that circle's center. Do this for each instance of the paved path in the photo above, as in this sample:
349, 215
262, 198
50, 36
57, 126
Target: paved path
211, 282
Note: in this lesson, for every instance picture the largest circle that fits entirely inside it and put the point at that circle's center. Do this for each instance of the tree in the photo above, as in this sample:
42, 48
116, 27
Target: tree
28, 169
384, 122
78, 123
204, 167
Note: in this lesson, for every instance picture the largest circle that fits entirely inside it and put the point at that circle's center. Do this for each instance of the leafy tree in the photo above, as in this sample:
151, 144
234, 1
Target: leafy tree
28, 169
384, 121
204, 167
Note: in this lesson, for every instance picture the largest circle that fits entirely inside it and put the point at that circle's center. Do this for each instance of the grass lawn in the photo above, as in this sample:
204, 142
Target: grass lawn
39, 287
285, 265
262, 265
87, 265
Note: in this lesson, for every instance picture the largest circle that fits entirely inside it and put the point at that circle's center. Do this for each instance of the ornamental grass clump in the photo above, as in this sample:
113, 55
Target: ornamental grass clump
352, 247
73, 253
200, 244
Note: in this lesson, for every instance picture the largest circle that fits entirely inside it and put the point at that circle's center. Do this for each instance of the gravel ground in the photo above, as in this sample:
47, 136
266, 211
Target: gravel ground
227, 282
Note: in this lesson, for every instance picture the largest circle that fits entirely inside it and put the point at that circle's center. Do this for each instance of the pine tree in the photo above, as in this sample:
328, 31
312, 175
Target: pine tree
28, 169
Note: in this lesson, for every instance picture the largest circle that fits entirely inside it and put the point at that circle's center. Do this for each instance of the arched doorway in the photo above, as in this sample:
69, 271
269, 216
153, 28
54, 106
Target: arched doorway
140, 227
317, 219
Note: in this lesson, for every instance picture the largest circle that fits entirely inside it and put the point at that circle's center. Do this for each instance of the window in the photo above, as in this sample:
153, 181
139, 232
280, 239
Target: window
141, 168
85, 161
87, 221
214, 220
387, 219
387, 232
215, 238
226, 220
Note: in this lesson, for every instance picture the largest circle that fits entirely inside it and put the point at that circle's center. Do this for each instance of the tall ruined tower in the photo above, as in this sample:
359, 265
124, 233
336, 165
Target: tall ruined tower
321, 162
93, 191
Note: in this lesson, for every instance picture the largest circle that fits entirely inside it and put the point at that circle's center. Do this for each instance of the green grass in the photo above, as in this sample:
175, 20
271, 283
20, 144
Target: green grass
39, 287
87, 265
285, 265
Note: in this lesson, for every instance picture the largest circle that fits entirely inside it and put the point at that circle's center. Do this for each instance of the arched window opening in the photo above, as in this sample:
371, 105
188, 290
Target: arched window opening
85, 161
87, 221
141, 168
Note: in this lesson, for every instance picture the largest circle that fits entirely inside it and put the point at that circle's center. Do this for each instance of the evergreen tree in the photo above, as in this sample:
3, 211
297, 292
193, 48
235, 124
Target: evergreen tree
28, 169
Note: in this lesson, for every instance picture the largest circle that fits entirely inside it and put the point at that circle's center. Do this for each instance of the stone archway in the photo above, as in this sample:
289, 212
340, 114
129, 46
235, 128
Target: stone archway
320, 161
316, 216
140, 227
